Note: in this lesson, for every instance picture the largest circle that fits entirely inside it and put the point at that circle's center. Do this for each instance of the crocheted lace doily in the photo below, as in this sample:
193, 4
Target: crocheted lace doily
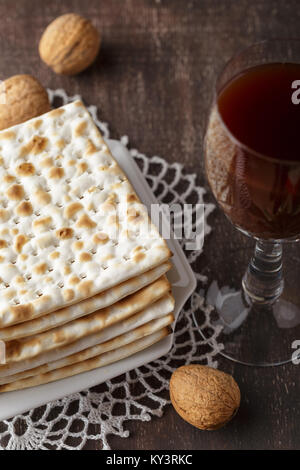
74, 421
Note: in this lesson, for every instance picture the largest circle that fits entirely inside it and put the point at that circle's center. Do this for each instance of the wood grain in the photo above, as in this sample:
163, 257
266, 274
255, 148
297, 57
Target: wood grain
153, 81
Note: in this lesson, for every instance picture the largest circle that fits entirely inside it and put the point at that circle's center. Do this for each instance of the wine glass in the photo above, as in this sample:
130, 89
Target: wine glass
252, 161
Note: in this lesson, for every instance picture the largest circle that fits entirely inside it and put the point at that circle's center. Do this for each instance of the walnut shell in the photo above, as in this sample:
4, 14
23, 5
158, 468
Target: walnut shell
204, 397
69, 44
22, 98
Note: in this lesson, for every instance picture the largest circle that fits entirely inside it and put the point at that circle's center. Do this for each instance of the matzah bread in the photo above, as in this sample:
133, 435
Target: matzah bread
114, 343
159, 309
99, 301
89, 364
71, 225
21, 349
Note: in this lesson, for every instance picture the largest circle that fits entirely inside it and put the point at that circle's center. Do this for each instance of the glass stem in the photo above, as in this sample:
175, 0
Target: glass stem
263, 280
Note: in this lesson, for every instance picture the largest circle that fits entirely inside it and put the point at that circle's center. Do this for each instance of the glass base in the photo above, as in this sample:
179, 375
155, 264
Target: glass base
253, 335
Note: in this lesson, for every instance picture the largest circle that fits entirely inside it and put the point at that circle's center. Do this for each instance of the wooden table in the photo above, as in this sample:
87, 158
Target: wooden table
153, 82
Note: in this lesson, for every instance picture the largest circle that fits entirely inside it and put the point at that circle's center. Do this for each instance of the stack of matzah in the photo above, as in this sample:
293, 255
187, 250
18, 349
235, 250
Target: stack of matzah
82, 269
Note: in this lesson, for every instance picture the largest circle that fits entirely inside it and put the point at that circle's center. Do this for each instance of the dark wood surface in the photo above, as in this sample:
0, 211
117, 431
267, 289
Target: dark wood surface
153, 81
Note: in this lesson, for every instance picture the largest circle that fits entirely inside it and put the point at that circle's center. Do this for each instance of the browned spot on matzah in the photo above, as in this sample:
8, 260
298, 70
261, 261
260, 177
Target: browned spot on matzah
4, 215
113, 220
90, 148
85, 222
138, 257
56, 112
42, 197
23, 257
2, 259
85, 257
125, 234
15, 192
107, 257
88, 305
134, 216
92, 189
22, 312
37, 123
47, 162
36, 145
68, 294
78, 245
7, 135
24, 209
43, 299
72, 209
20, 280
56, 172
14, 348
82, 167
74, 280
80, 129
67, 270
64, 233
20, 242
42, 223
54, 255
25, 169
40, 268
100, 238
59, 337
3, 244
107, 207
60, 143
116, 186
85, 288
109, 203
9, 294
115, 170
8, 178
137, 249
132, 198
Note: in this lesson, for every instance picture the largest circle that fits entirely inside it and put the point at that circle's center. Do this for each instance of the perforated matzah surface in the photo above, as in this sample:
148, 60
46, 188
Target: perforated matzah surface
70, 223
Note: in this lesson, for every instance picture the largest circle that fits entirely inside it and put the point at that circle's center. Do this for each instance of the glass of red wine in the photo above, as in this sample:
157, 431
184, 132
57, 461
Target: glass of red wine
252, 160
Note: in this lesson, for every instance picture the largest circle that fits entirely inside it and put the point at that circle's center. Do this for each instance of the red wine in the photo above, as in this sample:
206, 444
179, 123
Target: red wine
253, 150
258, 109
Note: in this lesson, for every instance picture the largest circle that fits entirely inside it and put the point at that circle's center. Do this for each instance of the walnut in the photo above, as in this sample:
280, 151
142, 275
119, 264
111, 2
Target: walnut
204, 397
69, 44
22, 98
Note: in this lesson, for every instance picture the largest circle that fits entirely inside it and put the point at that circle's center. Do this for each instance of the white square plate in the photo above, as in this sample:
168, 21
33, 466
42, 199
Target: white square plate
183, 282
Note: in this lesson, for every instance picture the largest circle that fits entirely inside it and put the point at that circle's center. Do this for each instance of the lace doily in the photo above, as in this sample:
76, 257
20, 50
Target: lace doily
70, 423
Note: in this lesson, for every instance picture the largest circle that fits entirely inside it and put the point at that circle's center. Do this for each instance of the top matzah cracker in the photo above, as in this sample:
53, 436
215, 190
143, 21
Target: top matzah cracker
70, 223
